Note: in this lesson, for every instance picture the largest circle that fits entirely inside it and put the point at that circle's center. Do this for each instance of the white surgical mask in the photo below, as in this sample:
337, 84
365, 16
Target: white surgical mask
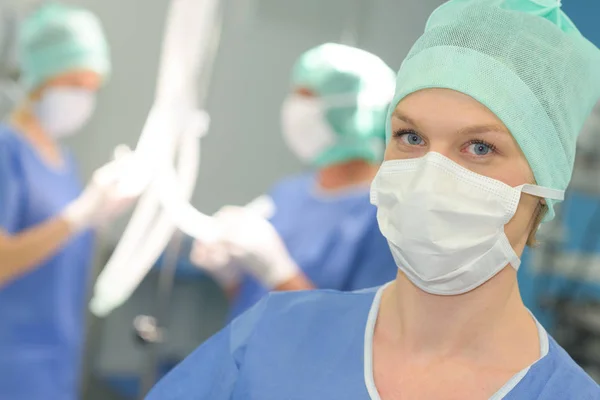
62, 111
445, 224
305, 129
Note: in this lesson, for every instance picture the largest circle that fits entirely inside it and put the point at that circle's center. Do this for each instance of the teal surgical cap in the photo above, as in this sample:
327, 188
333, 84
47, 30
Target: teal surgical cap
358, 87
56, 39
525, 61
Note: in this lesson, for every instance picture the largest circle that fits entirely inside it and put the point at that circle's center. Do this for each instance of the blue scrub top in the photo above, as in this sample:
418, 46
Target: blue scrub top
334, 238
318, 345
41, 312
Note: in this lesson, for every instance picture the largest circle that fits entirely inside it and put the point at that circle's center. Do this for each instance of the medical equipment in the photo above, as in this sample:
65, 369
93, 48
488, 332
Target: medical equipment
170, 134
174, 125
174, 112
172, 129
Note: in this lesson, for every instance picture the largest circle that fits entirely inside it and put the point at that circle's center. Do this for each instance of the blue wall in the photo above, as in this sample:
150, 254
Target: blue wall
585, 14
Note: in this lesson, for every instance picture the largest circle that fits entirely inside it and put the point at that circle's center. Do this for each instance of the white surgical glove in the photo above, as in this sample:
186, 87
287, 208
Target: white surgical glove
253, 243
211, 254
101, 201
214, 259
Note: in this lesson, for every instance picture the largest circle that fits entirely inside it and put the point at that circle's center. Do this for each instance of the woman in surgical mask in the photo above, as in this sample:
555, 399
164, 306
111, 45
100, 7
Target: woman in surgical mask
323, 230
480, 144
45, 218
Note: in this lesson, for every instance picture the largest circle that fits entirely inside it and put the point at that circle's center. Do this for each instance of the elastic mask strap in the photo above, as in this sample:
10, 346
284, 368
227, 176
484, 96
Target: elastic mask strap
373, 194
540, 191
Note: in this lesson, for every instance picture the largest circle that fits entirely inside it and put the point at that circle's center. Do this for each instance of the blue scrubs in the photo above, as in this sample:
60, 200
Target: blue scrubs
41, 312
334, 238
318, 345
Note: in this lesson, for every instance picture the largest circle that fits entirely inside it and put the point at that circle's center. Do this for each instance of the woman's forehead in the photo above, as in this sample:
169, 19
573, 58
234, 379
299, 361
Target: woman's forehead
453, 109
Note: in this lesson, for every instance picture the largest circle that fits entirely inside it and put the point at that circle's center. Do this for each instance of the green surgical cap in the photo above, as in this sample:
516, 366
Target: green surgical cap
358, 87
525, 61
56, 39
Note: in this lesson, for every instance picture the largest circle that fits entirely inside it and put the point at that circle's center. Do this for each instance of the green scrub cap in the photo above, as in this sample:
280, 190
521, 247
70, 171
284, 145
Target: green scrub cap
56, 39
525, 61
358, 86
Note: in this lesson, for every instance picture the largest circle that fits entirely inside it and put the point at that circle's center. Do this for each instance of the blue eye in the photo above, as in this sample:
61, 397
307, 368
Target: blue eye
411, 138
480, 148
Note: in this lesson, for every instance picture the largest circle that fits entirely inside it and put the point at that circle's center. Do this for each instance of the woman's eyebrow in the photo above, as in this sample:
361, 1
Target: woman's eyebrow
470, 130
479, 129
403, 118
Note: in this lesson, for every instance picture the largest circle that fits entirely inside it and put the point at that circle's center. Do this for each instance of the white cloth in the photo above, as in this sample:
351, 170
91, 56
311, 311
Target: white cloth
214, 259
251, 242
445, 223
305, 128
102, 200
62, 111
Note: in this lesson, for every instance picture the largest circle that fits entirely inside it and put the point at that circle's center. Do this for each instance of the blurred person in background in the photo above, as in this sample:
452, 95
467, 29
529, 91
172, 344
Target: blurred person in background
45, 243
323, 230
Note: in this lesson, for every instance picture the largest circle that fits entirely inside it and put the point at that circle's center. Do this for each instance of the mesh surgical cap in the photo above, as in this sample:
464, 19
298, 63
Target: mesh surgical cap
56, 39
357, 86
525, 61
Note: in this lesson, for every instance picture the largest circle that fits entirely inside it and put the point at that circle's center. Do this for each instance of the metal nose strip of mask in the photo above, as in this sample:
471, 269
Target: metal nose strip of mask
534, 190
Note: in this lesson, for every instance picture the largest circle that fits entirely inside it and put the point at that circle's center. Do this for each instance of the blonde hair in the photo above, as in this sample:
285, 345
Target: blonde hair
538, 217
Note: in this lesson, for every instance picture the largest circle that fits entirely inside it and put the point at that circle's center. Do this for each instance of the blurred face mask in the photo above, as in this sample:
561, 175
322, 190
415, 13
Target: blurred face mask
445, 224
62, 111
305, 128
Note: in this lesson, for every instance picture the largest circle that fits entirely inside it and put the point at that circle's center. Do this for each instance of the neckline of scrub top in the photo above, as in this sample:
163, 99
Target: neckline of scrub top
368, 352
57, 169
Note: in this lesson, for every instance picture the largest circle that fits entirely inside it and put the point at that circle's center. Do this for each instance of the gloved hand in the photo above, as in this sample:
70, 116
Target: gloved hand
214, 259
101, 201
212, 256
251, 242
